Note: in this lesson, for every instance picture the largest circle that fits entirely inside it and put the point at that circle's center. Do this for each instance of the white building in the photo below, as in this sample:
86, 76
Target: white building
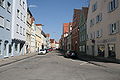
5, 27
19, 15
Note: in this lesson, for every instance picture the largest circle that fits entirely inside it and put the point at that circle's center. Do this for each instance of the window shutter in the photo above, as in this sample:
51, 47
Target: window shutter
108, 7
110, 29
116, 3
118, 27
100, 16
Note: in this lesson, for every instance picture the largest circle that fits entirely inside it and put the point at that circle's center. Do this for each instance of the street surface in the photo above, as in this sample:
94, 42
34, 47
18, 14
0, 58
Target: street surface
53, 66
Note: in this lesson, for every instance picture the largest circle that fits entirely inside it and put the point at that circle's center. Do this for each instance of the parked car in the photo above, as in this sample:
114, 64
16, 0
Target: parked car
70, 54
42, 52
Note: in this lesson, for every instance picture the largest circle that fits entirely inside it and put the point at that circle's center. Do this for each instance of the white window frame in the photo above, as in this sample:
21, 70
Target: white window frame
18, 13
2, 21
17, 28
0, 47
2, 3
94, 7
112, 5
9, 7
21, 30
8, 24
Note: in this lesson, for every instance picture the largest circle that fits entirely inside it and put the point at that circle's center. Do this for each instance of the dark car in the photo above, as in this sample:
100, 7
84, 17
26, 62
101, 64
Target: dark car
69, 54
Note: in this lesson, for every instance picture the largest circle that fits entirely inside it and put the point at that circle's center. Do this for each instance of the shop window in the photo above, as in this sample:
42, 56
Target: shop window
101, 50
10, 49
111, 51
15, 47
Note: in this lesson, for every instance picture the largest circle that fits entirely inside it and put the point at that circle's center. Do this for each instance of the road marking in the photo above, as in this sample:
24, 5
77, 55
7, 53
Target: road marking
83, 63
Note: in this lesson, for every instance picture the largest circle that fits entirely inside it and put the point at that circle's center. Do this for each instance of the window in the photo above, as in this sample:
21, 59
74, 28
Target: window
112, 5
8, 24
18, 13
99, 18
99, 33
23, 5
20, 30
17, 28
24, 19
113, 28
8, 7
1, 21
20, 2
0, 47
21, 16
91, 22
94, 7
2, 3
23, 31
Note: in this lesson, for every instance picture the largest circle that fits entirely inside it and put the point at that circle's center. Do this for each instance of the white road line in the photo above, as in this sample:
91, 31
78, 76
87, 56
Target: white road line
83, 63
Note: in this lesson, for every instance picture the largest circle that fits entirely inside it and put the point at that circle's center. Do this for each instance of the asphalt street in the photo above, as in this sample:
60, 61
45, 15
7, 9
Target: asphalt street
53, 66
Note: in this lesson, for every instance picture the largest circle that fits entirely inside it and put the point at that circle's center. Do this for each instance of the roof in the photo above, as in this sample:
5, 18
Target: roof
47, 35
52, 40
38, 24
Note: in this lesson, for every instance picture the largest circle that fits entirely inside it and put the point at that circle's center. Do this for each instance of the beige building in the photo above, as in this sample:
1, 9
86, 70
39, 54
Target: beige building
28, 31
38, 37
32, 48
103, 28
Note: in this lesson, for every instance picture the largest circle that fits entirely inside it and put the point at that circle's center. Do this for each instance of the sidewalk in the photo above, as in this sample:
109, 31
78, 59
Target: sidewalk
99, 61
14, 59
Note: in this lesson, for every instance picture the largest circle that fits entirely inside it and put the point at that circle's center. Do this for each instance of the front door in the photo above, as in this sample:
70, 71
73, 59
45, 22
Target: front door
5, 50
93, 50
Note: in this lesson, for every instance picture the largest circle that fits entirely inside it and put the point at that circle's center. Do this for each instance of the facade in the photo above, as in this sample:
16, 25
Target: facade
65, 35
56, 45
28, 31
33, 40
103, 28
48, 41
5, 27
44, 40
69, 36
75, 30
52, 43
38, 37
83, 31
19, 16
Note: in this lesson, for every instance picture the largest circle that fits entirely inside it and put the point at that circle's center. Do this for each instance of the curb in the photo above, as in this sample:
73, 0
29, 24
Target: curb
93, 63
17, 60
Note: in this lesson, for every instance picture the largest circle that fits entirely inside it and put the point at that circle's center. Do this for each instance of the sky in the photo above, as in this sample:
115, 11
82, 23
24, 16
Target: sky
53, 13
